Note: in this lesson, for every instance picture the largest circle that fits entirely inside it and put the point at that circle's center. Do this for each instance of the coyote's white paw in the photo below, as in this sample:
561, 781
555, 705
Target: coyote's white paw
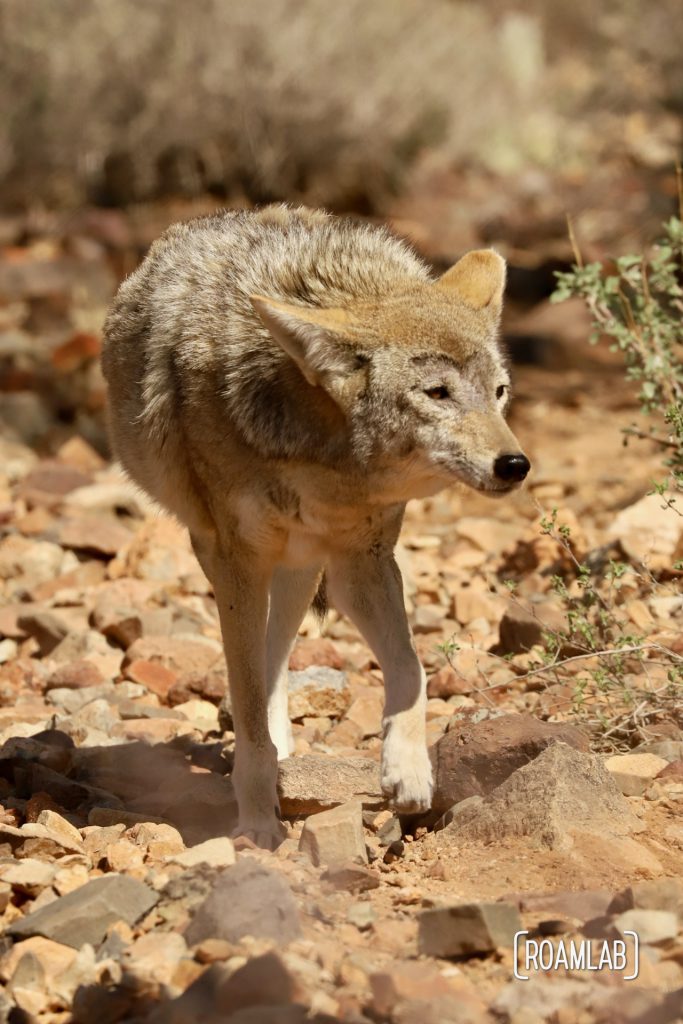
265, 832
407, 777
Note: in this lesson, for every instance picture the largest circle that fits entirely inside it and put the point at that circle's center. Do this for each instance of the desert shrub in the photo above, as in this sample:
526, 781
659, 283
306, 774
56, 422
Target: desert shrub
637, 305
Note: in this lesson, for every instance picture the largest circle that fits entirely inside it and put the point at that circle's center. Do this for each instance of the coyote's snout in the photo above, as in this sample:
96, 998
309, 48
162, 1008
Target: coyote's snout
285, 381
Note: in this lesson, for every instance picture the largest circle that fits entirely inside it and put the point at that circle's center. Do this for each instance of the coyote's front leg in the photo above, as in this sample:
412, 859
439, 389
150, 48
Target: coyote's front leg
367, 587
241, 585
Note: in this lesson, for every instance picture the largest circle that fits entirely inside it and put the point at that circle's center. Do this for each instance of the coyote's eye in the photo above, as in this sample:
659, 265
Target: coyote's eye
500, 390
438, 393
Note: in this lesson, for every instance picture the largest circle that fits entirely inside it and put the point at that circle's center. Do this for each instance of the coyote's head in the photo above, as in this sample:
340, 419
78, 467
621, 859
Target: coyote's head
417, 374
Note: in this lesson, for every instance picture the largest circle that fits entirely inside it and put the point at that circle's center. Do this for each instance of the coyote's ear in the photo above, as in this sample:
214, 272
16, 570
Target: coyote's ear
478, 278
316, 339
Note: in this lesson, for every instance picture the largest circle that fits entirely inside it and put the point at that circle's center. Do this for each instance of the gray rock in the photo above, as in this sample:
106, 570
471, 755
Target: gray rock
85, 914
309, 783
317, 691
246, 899
466, 928
472, 759
561, 792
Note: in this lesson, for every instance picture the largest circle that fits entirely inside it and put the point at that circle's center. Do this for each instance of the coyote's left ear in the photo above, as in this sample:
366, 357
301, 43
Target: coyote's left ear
478, 278
316, 339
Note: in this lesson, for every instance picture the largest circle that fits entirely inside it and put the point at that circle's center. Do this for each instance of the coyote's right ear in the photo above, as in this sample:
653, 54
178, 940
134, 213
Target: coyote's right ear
478, 278
316, 339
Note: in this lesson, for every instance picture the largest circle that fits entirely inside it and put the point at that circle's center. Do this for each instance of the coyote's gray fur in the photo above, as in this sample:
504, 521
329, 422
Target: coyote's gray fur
284, 381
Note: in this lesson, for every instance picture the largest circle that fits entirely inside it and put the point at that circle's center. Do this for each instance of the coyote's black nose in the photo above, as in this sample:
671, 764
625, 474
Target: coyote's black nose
511, 467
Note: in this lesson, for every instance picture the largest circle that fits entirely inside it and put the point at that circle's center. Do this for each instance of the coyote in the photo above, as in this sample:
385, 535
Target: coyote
283, 381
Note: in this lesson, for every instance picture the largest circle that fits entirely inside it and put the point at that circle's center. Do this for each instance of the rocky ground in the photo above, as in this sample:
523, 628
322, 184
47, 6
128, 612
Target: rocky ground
558, 800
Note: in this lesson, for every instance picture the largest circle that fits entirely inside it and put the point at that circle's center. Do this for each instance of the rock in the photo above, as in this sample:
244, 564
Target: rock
472, 759
651, 926
150, 674
406, 980
670, 750
361, 916
58, 825
519, 631
428, 618
85, 914
246, 899
219, 994
47, 629
560, 794
672, 772
90, 646
123, 856
351, 877
466, 928
633, 773
53, 957
651, 894
29, 876
154, 957
27, 562
308, 784
334, 836
121, 624
318, 691
99, 534
217, 853
366, 713
315, 652
648, 531
211, 686
580, 906
201, 713
182, 653
447, 682
75, 675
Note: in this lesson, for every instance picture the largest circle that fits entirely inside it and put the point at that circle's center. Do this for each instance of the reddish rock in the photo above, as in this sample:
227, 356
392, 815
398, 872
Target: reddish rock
75, 675
673, 771
153, 675
211, 686
472, 759
180, 654
317, 651
447, 683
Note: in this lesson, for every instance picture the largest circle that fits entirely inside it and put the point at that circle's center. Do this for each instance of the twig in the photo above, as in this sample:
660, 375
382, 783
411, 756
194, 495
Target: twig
643, 435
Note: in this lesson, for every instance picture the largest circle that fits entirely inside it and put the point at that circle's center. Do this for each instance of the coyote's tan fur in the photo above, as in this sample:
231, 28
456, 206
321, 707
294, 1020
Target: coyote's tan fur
284, 381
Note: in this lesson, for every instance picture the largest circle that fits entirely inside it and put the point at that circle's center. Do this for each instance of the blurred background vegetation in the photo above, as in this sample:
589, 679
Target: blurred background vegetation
340, 104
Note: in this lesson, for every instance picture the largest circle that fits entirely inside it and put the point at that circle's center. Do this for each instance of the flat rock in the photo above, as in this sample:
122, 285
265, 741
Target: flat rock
309, 783
318, 690
190, 653
633, 773
561, 793
246, 899
351, 877
467, 928
472, 759
85, 914
217, 853
335, 836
